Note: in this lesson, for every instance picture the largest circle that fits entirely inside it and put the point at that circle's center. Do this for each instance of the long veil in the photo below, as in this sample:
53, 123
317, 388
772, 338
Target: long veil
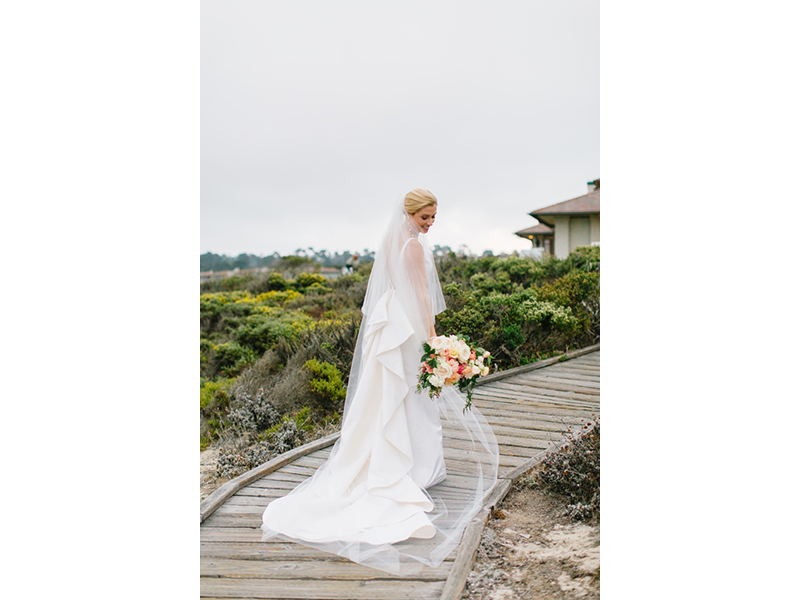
362, 503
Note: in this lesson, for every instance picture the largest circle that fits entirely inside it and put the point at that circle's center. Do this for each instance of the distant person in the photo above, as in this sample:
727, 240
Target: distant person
351, 265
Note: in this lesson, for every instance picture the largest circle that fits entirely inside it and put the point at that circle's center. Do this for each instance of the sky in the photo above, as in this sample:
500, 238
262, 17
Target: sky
317, 116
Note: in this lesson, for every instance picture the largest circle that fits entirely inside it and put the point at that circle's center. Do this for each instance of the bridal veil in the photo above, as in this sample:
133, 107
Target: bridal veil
369, 501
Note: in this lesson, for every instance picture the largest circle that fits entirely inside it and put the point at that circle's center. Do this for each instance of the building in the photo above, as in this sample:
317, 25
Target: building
564, 226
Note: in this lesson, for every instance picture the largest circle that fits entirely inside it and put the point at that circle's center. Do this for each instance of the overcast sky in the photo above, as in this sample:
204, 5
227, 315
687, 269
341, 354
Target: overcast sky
316, 116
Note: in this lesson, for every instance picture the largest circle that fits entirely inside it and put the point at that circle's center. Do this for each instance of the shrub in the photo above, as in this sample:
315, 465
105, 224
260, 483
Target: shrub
305, 280
240, 452
282, 373
214, 404
234, 282
260, 332
573, 471
327, 382
585, 258
228, 360
580, 291
238, 455
252, 413
512, 326
276, 282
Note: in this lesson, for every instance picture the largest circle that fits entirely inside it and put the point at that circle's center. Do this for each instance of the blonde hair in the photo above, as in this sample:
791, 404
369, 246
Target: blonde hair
418, 199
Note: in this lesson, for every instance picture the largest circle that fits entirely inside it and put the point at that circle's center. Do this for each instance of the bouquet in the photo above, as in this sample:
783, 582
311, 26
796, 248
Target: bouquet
448, 360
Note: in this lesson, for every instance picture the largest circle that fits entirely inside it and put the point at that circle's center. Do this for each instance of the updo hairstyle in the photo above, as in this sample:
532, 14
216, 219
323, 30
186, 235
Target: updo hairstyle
418, 199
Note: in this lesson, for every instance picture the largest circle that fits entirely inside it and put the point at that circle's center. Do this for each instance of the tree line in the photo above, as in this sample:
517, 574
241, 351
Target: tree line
222, 262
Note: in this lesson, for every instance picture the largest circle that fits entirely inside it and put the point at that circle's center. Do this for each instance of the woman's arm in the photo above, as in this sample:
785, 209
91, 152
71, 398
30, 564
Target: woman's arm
415, 264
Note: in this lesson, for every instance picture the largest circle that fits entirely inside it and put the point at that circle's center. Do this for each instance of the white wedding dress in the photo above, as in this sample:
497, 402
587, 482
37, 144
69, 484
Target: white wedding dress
399, 487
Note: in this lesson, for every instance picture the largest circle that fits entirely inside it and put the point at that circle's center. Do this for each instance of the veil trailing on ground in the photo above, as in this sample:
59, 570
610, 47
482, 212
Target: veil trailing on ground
408, 472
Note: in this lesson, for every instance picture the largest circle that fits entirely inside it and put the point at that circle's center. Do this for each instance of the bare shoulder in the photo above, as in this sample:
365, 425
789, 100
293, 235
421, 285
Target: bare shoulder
414, 249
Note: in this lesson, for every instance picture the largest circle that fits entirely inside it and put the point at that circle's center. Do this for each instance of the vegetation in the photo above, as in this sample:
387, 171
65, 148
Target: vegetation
573, 472
276, 346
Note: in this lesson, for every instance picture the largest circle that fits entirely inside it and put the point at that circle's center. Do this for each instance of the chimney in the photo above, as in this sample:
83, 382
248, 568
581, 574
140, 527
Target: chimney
594, 185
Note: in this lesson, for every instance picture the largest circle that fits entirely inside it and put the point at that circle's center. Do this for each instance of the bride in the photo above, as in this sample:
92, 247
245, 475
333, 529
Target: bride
408, 472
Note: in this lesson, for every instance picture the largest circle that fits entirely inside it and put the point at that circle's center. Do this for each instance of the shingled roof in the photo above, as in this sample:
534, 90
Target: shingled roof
588, 204
539, 229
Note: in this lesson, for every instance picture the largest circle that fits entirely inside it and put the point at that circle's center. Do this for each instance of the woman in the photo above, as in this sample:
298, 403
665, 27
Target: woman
398, 488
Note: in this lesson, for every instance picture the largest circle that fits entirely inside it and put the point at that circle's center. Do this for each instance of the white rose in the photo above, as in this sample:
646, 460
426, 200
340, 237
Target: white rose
463, 353
485, 371
452, 348
435, 381
443, 371
437, 343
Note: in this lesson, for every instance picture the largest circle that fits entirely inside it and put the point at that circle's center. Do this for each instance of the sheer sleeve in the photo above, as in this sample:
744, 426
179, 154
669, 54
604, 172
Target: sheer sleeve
415, 266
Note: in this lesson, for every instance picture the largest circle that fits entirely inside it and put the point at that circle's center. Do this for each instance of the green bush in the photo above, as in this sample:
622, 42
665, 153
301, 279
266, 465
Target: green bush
305, 280
573, 471
580, 292
227, 284
276, 283
326, 382
585, 258
228, 360
513, 327
214, 404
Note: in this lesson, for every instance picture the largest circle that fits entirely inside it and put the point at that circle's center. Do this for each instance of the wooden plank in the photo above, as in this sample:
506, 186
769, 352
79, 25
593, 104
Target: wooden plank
548, 406
298, 470
561, 372
507, 450
508, 434
269, 550
548, 390
219, 520
536, 397
455, 454
501, 418
272, 549
308, 569
522, 412
229, 534
554, 413
381, 589
585, 383
585, 369
565, 383
565, 358
240, 509
275, 484
282, 475
244, 500
539, 389
309, 461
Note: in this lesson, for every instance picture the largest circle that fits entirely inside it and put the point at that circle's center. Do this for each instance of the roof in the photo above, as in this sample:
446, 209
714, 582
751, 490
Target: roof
588, 204
539, 229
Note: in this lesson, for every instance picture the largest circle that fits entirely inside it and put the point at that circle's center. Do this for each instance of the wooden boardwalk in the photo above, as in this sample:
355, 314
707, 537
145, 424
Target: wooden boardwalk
529, 409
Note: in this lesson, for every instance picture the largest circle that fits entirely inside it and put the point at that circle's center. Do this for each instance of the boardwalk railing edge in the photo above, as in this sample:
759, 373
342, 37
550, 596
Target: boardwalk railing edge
228, 489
